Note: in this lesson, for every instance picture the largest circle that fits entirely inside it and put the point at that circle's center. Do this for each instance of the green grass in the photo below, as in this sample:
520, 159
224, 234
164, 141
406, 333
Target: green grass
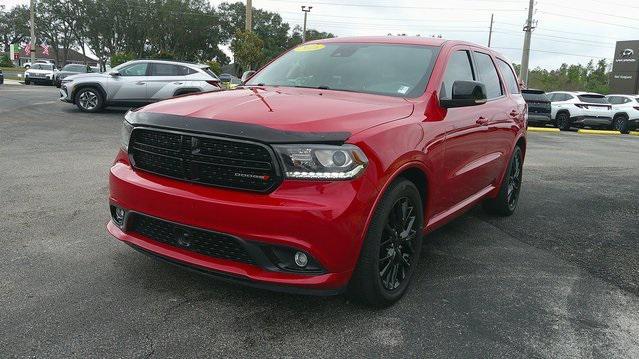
13, 72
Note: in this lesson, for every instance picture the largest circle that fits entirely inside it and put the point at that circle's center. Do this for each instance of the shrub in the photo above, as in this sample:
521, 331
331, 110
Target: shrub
5, 62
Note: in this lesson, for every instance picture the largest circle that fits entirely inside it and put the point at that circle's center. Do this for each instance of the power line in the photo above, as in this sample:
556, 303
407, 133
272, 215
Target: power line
586, 19
403, 7
554, 52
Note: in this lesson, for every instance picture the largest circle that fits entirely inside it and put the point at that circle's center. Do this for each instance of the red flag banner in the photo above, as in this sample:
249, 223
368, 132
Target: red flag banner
27, 48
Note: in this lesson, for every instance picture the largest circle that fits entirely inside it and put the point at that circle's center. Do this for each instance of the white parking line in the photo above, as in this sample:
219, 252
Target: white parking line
43, 103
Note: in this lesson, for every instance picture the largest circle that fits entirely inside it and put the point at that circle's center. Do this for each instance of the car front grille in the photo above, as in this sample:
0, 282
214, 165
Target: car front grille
204, 159
212, 244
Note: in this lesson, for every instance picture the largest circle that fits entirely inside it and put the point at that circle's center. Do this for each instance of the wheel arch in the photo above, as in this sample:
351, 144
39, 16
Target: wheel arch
621, 113
562, 111
95, 85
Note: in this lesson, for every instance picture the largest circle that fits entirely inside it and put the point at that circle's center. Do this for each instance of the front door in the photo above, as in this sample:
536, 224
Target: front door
131, 83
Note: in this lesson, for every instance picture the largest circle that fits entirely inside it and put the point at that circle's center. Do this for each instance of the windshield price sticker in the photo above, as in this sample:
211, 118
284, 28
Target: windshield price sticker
309, 47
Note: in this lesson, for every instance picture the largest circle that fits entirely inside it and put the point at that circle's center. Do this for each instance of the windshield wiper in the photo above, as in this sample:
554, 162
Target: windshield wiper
321, 87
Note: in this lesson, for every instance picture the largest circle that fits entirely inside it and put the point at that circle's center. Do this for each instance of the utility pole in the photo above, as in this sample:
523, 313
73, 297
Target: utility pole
249, 15
32, 20
306, 10
528, 28
490, 33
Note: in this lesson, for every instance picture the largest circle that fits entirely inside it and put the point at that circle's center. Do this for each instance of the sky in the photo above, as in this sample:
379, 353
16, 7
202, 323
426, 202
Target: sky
568, 31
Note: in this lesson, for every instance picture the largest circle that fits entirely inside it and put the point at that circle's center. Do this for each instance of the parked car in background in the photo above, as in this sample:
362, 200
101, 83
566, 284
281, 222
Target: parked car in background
28, 65
539, 111
1, 77
72, 69
40, 73
626, 112
137, 82
229, 81
580, 109
323, 179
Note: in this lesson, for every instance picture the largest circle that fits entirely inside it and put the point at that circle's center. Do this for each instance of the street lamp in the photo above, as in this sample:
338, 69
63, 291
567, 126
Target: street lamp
306, 10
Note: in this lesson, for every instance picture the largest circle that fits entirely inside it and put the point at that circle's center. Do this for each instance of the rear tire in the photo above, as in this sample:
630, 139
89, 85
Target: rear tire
563, 121
89, 99
620, 123
506, 201
391, 249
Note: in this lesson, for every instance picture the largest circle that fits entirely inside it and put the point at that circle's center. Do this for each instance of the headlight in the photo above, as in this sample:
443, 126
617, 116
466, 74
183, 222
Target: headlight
322, 162
125, 135
65, 80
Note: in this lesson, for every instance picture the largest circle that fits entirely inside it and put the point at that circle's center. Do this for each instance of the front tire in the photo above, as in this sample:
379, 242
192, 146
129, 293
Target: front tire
26, 81
391, 249
620, 123
89, 99
506, 201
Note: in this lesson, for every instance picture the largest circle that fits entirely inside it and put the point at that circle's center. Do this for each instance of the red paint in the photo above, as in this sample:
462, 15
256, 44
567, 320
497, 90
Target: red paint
463, 153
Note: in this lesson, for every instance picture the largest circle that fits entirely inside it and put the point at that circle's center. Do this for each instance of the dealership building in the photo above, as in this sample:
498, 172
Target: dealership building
625, 68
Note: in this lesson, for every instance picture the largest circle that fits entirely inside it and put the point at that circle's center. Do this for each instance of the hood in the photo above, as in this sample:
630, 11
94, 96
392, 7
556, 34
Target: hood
290, 109
86, 75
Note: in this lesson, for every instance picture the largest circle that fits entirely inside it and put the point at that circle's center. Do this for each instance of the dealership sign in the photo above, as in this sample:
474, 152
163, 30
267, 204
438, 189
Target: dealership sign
625, 68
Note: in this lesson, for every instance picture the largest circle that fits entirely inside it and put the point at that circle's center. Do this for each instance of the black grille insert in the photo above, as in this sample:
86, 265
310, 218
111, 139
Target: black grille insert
204, 159
212, 244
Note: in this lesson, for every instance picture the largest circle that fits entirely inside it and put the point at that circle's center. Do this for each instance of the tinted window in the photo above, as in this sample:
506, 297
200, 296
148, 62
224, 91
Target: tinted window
385, 69
637, 99
592, 98
535, 97
134, 70
615, 100
488, 75
459, 68
164, 70
509, 76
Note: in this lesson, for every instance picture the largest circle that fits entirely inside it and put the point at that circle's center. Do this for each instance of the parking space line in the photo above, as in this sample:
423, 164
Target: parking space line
543, 129
598, 132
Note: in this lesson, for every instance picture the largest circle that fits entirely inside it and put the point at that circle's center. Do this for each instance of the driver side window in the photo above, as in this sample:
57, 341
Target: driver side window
134, 70
459, 69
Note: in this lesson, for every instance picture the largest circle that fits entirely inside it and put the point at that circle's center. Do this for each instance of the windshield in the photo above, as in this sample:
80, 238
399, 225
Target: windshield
42, 67
385, 69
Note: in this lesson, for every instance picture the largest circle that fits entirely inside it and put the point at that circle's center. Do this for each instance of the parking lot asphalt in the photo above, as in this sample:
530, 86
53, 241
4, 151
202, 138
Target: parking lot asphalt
560, 278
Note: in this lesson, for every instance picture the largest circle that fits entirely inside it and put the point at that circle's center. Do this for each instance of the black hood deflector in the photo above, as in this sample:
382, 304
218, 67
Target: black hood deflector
232, 129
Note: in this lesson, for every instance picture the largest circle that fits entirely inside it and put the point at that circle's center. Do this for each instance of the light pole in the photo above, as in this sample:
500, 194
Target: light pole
525, 56
306, 10
32, 23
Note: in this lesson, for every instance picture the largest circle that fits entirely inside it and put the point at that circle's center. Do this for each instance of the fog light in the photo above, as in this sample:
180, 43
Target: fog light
301, 260
119, 215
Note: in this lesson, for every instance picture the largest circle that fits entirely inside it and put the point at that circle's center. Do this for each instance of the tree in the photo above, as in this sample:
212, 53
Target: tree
311, 34
268, 26
14, 25
247, 49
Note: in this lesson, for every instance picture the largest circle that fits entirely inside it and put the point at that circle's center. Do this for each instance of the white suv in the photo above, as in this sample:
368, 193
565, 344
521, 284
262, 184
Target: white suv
136, 83
40, 73
580, 109
626, 112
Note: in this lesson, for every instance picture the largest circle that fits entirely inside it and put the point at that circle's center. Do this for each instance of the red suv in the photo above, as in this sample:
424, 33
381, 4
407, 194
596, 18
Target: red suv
322, 173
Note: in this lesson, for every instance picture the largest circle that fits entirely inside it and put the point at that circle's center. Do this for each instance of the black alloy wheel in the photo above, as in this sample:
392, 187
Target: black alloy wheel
514, 180
390, 252
506, 201
620, 123
563, 121
398, 242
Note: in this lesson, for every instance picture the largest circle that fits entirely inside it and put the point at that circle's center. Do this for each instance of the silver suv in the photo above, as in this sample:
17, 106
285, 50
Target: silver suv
136, 82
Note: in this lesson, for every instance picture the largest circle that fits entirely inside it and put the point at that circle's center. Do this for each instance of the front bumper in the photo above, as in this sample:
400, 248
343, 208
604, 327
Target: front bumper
65, 94
327, 220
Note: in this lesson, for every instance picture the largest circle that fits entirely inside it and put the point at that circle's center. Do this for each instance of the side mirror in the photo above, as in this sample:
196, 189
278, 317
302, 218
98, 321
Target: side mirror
465, 93
247, 75
114, 73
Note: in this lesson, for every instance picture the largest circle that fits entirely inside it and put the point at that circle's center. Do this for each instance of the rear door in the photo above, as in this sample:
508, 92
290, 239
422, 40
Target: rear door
165, 79
538, 103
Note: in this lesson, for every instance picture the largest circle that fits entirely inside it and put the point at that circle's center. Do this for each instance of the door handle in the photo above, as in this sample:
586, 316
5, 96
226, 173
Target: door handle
140, 83
482, 121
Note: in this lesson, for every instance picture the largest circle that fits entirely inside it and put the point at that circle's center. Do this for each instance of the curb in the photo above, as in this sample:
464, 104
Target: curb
598, 132
543, 129
634, 133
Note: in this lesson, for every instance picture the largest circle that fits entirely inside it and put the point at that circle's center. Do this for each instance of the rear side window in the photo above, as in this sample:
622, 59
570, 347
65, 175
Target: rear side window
164, 70
459, 69
592, 99
509, 77
488, 75
535, 97
637, 99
